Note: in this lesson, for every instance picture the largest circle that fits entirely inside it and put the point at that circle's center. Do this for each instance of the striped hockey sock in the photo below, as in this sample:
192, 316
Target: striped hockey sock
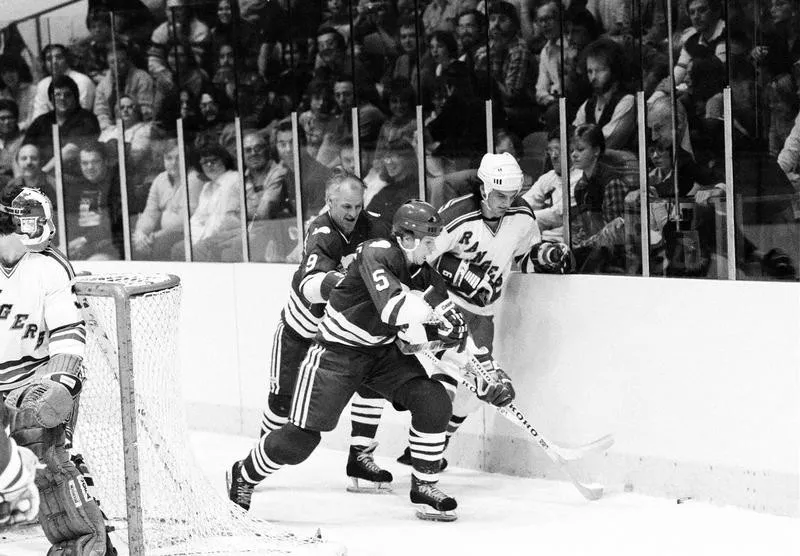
271, 421
257, 466
365, 415
426, 453
455, 422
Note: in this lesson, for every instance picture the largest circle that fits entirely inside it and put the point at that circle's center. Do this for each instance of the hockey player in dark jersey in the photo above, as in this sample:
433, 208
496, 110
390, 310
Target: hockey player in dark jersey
329, 248
380, 296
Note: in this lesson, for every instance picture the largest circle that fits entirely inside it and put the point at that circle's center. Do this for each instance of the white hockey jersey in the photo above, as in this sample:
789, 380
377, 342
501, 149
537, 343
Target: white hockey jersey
468, 236
39, 316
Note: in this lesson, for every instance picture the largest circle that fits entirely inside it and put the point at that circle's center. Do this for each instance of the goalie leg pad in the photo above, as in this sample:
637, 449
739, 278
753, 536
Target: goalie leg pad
68, 514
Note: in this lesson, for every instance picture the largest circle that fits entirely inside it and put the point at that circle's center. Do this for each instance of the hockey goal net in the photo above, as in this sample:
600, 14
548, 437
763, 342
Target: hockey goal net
132, 431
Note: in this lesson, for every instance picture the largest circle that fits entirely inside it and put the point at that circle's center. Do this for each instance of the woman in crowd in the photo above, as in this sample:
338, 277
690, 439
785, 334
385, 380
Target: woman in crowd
600, 192
218, 206
16, 84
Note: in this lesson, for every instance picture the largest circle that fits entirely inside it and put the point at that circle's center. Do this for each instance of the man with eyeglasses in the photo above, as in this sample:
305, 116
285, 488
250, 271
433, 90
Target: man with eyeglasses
471, 32
266, 182
706, 36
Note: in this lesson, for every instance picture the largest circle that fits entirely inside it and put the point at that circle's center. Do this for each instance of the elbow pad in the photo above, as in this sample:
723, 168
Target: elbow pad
330, 281
317, 288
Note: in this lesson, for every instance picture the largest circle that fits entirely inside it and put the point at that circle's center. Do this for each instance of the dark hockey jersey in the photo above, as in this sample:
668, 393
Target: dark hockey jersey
326, 248
364, 308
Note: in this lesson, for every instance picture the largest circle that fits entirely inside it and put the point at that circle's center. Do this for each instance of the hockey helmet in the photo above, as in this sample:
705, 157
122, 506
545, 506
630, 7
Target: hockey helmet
500, 172
32, 215
417, 218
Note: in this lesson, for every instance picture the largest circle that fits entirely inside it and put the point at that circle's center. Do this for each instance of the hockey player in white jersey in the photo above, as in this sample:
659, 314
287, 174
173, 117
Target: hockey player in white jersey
484, 234
42, 343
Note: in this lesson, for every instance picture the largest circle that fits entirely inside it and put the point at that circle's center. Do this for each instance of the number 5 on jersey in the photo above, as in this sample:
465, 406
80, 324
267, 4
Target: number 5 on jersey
379, 277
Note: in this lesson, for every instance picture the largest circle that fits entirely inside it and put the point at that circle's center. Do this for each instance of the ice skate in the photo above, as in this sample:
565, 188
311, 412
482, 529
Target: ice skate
405, 459
362, 466
239, 491
432, 503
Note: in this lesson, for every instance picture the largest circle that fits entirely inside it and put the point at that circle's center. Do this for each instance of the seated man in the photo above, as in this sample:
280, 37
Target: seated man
75, 125
610, 106
160, 225
55, 59
93, 208
10, 138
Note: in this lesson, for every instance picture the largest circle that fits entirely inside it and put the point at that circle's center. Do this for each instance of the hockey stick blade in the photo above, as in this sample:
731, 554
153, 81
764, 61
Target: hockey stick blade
558, 455
572, 453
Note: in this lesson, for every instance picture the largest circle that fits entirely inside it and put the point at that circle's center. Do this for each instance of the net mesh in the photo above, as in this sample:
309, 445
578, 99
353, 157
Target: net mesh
181, 512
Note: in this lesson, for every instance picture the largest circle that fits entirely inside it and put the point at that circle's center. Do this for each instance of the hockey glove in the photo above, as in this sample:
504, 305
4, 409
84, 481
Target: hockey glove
451, 326
468, 279
549, 257
499, 391
19, 502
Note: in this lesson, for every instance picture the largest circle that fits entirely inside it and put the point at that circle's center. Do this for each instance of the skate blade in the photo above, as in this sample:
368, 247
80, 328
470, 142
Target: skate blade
426, 513
227, 481
368, 487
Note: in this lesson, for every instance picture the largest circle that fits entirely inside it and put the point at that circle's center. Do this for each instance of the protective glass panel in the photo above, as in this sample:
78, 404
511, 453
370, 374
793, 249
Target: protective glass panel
765, 155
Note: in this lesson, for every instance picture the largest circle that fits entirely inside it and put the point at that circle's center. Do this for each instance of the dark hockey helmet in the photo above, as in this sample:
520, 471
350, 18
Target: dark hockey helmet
31, 214
417, 218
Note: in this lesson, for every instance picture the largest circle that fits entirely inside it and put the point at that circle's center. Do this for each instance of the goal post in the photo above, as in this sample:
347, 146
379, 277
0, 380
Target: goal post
131, 430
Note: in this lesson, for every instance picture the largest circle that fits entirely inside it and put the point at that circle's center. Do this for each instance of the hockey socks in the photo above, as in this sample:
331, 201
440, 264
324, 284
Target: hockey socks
426, 453
365, 415
271, 421
257, 466
455, 422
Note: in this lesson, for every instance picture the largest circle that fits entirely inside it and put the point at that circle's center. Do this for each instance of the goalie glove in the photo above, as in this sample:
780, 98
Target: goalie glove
19, 498
499, 391
468, 279
549, 257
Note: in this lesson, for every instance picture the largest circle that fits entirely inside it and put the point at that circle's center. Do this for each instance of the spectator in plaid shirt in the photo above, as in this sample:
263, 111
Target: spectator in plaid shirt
512, 67
600, 192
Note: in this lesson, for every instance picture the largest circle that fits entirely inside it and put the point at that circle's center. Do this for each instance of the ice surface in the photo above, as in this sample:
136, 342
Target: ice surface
496, 513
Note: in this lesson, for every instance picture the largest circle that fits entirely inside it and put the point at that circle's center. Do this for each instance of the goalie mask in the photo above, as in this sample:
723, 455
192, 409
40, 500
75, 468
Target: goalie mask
32, 215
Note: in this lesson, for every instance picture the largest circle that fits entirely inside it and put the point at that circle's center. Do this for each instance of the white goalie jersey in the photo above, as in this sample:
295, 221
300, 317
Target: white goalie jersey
468, 236
38, 316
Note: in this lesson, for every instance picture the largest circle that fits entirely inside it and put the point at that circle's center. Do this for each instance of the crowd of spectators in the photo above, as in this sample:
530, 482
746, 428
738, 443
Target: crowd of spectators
374, 64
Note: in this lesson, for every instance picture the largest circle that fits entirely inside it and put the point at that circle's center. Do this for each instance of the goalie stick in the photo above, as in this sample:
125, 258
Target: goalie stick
560, 455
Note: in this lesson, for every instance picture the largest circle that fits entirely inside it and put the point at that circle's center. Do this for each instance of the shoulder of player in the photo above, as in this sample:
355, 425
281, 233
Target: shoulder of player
321, 230
54, 262
460, 210
381, 250
374, 225
521, 207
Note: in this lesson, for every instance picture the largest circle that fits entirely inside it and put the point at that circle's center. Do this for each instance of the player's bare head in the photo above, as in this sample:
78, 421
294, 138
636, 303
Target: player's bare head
344, 195
27, 214
501, 181
416, 225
